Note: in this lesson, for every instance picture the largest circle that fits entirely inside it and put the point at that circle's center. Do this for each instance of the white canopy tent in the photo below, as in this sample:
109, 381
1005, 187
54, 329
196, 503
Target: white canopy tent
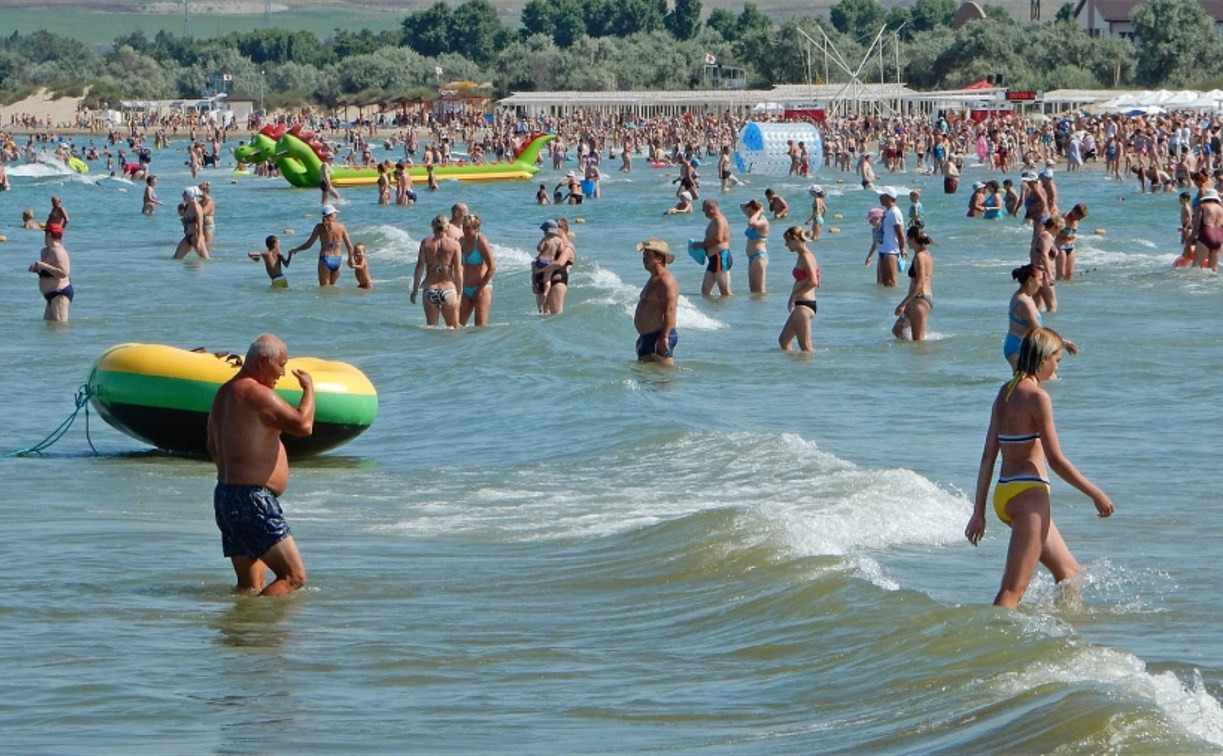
1162, 100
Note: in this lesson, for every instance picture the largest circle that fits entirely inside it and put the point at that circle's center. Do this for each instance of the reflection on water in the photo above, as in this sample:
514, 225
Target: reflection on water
254, 622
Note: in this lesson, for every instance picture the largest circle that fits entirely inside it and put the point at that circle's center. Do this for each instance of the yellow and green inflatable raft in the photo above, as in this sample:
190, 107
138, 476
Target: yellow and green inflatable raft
161, 395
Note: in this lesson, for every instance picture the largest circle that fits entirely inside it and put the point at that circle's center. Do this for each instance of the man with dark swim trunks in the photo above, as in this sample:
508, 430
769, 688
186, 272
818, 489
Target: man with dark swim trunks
244, 427
717, 250
655, 315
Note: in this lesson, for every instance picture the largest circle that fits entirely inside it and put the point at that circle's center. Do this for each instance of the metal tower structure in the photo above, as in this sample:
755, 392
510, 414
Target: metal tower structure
852, 94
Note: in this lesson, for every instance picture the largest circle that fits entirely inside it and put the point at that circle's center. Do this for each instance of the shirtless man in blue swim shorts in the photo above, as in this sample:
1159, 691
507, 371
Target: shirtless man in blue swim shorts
718, 260
331, 233
244, 427
655, 315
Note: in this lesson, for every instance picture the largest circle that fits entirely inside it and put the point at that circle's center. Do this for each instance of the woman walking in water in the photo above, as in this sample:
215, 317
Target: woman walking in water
1021, 429
913, 312
802, 305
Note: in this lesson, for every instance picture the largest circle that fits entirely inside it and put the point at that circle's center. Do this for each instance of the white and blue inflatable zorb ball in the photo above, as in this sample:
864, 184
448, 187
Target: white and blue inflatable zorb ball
763, 149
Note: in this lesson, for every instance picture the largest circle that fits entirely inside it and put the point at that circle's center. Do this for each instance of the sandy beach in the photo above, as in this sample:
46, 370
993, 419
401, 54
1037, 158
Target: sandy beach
59, 111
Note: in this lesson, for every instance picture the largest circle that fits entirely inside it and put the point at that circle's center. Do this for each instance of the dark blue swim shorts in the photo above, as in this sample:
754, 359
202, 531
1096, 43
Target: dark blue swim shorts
250, 520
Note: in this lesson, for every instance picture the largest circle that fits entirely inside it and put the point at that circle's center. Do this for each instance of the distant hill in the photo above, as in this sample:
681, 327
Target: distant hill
98, 22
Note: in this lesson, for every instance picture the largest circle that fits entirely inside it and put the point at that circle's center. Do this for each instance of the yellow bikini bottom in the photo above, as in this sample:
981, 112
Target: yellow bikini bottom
1010, 488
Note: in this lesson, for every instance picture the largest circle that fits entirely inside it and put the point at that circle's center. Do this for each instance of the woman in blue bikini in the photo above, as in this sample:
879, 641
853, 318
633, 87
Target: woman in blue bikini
1021, 429
757, 233
331, 234
478, 269
1022, 313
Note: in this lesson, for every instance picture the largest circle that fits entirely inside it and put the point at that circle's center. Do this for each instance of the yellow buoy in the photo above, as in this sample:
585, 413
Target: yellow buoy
837, 216
3, 238
288, 231
579, 220
1101, 232
834, 230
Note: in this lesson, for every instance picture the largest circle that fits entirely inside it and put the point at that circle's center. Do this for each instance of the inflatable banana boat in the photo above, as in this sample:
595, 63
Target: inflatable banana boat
161, 395
300, 154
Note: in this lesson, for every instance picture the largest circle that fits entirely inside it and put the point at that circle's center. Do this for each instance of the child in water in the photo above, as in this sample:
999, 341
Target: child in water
541, 197
360, 266
917, 214
272, 261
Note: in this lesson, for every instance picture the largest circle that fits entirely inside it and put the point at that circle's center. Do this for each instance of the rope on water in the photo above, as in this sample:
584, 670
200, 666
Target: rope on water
83, 395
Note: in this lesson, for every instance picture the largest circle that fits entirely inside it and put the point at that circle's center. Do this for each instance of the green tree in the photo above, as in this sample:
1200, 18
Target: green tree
979, 48
562, 20
723, 22
429, 32
345, 44
137, 40
478, 32
1066, 45
901, 18
924, 64
534, 63
536, 18
599, 16
12, 67
568, 25
858, 18
1177, 42
684, 20
295, 78
171, 49
1065, 14
634, 16
933, 14
751, 19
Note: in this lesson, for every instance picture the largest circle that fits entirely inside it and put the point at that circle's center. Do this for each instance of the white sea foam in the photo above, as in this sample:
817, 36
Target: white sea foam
811, 502
387, 242
1188, 704
687, 316
41, 170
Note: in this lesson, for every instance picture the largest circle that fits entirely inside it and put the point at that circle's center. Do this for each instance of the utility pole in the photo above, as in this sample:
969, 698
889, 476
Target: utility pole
186, 20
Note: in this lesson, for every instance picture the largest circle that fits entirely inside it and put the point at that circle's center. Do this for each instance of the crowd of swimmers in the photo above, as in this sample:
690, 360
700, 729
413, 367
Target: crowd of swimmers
456, 264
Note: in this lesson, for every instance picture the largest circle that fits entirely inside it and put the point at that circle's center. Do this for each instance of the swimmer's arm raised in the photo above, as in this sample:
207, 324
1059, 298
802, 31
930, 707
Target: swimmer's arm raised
276, 413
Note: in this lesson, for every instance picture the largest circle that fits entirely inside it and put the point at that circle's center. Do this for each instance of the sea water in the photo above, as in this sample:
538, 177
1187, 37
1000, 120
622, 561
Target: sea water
543, 546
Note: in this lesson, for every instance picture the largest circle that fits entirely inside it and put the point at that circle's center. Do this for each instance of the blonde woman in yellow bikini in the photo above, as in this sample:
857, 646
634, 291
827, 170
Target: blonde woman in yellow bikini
1021, 428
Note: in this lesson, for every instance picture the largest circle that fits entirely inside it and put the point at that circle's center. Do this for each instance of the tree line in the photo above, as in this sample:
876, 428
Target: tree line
600, 45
